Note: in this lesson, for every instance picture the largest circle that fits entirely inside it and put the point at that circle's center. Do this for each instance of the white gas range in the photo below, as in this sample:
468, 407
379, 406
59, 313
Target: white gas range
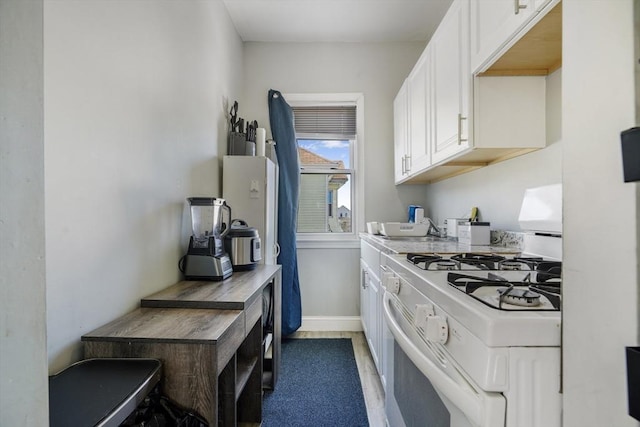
474, 339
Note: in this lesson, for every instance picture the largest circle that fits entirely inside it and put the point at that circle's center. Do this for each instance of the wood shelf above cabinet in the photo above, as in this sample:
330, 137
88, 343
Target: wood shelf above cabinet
537, 53
465, 163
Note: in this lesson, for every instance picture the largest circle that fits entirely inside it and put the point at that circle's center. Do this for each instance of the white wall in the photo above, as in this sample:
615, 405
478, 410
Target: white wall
24, 400
600, 283
135, 102
497, 190
376, 70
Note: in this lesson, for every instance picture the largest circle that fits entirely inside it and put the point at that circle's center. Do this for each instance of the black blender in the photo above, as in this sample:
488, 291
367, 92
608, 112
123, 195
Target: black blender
206, 258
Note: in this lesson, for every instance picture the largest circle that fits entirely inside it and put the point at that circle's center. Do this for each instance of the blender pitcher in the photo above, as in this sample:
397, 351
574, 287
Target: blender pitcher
207, 223
210, 223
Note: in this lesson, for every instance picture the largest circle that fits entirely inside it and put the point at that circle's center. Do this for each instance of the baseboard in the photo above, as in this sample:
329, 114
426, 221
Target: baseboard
325, 323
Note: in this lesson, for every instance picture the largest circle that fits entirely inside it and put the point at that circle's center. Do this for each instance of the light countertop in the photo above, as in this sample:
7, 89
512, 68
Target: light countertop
437, 245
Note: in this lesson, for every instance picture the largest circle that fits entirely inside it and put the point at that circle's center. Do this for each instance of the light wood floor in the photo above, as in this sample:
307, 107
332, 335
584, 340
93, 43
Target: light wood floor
371, 386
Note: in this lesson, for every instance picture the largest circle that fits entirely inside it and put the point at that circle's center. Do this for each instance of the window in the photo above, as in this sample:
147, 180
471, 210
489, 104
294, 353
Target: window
327, 137
325, 185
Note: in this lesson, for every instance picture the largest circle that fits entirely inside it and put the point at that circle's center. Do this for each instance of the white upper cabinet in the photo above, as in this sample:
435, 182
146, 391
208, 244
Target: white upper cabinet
495, 25
400, 133
419, 96
477, 95
451, 83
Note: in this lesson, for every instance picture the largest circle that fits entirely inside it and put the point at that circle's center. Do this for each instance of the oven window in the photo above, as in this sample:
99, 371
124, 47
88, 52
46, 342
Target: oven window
418, 401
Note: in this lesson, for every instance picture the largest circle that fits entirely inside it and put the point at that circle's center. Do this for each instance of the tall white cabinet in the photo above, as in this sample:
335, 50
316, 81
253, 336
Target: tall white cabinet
401, 133
451, 83
250, 187
419, 98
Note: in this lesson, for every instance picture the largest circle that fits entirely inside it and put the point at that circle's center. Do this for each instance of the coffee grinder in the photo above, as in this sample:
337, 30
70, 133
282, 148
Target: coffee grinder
206, 258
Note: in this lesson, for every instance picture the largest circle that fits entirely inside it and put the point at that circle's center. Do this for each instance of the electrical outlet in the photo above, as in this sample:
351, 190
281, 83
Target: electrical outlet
254, 191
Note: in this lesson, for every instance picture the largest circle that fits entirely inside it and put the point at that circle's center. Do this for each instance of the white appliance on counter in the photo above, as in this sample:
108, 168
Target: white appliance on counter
403, 229
250, 186
474, 339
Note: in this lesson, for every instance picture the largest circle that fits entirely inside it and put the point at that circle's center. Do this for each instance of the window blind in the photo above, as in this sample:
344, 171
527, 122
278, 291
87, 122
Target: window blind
326, 120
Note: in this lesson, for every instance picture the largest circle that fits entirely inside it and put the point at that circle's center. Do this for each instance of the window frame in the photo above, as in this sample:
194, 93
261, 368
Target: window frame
350, 239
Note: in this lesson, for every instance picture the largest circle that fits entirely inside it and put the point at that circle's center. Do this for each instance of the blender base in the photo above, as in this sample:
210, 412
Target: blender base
207, 267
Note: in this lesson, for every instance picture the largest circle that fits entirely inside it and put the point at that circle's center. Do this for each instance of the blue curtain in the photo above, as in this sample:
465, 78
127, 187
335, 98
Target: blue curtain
283, 132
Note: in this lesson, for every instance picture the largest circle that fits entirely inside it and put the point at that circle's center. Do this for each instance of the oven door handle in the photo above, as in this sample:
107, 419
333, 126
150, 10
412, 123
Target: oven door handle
481, 408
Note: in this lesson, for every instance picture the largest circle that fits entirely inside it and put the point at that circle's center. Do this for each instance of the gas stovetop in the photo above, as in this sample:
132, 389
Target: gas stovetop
483, 261
487, 278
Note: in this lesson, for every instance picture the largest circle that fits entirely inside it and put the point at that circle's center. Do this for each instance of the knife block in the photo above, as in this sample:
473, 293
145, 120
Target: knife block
237, 144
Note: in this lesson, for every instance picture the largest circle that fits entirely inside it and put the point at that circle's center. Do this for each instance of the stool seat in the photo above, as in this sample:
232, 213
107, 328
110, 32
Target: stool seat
100, 392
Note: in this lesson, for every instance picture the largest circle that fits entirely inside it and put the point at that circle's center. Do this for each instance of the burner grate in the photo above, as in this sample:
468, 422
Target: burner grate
482, 261
425, 261
545, 270
523, 295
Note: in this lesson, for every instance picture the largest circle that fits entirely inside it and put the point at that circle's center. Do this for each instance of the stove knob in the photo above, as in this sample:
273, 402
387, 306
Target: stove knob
392, 284
437, 329
423, 312
386, 275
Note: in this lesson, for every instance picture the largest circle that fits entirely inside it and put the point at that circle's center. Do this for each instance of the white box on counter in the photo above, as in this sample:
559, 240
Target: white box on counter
474, 233
452, 225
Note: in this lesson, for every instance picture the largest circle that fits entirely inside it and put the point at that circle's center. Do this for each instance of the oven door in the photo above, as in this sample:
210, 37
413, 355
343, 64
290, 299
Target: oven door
425, 387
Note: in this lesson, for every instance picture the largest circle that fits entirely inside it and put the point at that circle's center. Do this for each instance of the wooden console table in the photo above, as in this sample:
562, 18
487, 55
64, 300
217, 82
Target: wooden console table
242, 291
208, 336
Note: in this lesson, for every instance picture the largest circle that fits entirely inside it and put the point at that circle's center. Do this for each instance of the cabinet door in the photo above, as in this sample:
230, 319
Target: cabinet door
374, 315
494, 23
418, 94
400, 133
451, 83
364, 299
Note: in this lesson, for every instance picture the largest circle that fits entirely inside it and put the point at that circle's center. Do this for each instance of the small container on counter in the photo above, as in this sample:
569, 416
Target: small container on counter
452, 225
474, 233
261, 142
415, 213
373, 228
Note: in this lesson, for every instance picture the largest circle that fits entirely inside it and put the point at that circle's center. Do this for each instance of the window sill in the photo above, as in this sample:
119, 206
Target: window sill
353, 242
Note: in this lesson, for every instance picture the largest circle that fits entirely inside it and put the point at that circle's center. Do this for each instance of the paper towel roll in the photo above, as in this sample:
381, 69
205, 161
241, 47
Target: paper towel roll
261, 135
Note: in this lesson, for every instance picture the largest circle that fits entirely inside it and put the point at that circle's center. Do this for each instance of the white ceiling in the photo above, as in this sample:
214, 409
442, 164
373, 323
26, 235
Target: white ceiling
336, 20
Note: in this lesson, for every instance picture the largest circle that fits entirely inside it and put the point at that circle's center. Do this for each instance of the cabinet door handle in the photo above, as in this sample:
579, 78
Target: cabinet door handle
365, 278
404, 166
518, 6
408, 164
460, 138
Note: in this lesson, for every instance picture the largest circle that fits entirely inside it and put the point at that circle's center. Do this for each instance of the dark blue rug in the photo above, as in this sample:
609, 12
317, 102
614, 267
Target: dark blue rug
318, 385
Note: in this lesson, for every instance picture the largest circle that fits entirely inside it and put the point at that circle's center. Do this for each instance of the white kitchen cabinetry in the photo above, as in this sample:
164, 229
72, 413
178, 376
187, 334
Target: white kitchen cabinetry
496, 23
412, 109
451, 83
401, 133
473, 121
371, 294
419, 100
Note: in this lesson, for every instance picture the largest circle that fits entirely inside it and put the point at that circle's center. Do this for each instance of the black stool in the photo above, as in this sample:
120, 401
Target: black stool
100, 392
